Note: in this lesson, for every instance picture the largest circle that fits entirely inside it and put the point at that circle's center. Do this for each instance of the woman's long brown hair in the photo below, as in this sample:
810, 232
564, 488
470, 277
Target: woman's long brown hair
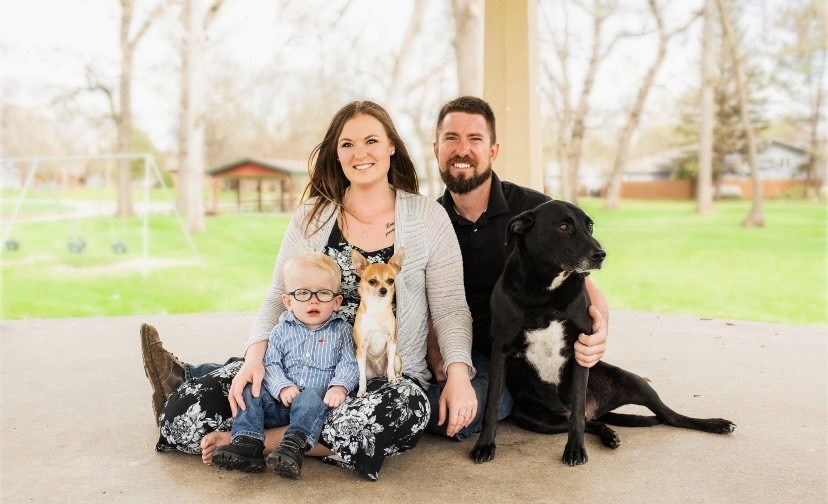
327, 181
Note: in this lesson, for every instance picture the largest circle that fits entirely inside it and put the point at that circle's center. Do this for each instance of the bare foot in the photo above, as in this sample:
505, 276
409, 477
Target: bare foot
210, 442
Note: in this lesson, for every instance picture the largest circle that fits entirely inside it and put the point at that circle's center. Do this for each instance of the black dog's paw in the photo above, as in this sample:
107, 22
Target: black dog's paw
574, 454
610, 438
483, 453
720, 426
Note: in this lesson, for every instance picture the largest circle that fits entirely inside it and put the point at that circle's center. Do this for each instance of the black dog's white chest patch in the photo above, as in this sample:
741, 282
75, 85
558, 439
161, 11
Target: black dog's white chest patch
543, 351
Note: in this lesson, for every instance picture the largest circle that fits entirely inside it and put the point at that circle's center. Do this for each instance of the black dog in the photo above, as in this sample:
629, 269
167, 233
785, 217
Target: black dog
539, 307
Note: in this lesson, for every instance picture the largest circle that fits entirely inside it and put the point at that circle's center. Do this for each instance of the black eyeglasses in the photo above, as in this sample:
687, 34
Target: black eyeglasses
323, 295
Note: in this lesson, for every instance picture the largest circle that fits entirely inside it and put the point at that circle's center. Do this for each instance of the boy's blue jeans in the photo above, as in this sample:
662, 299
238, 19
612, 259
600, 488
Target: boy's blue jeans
306, 414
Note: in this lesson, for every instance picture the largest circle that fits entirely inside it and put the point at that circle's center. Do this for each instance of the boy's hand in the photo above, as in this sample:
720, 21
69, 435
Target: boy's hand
287, 394
335, 396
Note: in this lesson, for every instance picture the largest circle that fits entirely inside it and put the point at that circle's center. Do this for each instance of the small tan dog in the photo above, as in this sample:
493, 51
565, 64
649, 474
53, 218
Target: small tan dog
375, 329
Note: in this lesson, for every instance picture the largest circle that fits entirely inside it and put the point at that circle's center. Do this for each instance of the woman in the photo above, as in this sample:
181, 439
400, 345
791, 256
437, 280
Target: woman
362, 194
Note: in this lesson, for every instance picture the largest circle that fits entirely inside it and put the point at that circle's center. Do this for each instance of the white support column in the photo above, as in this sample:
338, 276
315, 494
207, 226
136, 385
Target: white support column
510, 85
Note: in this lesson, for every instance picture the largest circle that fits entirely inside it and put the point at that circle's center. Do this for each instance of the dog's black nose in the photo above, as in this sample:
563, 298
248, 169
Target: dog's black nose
383, 291
599, 255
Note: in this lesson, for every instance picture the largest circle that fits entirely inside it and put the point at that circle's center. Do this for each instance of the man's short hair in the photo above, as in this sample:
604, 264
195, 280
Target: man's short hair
469, 105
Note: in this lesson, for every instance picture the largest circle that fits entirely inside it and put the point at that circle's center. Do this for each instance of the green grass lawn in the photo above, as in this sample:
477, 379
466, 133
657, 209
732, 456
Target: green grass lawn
661, 258
42, 279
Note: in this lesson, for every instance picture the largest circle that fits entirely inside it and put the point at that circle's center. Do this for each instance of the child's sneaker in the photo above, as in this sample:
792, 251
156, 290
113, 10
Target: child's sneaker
287, 459
242, 454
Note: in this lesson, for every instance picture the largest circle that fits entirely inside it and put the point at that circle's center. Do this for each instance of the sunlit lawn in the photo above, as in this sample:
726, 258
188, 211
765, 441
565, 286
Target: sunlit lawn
661, 258
43, 279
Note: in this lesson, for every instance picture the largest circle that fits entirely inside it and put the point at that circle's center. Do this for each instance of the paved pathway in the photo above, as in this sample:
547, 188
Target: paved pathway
76, 424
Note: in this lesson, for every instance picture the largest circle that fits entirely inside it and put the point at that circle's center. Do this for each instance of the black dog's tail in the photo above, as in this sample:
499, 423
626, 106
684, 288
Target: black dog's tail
625, 420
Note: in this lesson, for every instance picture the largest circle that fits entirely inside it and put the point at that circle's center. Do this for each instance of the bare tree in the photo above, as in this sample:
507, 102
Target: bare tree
123, 119
191, 132
755, 217
802, 62
394, 92
704, 179
415, 96
468, 45
573, 117
634, 117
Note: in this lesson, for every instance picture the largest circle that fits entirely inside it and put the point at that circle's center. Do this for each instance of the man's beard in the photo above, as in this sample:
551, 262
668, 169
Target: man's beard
463, 185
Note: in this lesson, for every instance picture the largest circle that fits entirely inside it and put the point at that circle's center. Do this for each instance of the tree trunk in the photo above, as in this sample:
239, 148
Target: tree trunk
395, 93
569, 183
704, 182
182, 180
191, 128
124, 119
811, 189
755, 217
574, 149
468, 46
625, 139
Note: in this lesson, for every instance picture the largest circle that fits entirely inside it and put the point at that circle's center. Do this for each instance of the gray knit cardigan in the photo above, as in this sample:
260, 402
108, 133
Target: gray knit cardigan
430, 283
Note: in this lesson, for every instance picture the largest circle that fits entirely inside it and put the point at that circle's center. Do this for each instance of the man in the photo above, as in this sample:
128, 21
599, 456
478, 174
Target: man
480, 205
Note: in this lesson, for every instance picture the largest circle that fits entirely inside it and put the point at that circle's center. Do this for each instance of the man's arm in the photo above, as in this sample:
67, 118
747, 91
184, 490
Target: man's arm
590, 348
434, 358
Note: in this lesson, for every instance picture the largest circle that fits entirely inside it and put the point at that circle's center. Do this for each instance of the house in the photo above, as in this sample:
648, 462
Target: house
780, 169
654, 176
278, 184
779, 160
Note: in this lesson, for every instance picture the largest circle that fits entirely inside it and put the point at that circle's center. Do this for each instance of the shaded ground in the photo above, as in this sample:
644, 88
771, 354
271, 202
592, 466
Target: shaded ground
76, 423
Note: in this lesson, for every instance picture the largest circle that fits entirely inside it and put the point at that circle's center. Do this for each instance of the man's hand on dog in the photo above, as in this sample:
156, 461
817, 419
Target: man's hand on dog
458, 400
335, 396
590, 348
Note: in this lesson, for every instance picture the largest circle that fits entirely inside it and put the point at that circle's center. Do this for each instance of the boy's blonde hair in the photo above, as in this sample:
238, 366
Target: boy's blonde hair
315, 260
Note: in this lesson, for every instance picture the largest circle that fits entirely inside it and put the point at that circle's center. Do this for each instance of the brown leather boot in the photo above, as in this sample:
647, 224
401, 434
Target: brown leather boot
164, 370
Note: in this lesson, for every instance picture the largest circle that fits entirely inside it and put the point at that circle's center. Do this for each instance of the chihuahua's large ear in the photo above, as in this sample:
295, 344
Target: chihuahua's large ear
519, 224
359, 261
397, 259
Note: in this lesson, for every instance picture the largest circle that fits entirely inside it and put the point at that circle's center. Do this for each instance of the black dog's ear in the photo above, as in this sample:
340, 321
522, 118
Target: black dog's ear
519, 224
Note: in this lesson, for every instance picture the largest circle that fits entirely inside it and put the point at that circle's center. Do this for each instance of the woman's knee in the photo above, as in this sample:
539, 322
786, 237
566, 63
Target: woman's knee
198, 407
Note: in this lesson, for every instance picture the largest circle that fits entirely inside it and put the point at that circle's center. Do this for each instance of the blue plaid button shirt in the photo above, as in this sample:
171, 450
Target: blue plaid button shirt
298, 355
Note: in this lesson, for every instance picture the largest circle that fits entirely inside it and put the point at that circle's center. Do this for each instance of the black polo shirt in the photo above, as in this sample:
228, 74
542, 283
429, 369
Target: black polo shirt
484, 249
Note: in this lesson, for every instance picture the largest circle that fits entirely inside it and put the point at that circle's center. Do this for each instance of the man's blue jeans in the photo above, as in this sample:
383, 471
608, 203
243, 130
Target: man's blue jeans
305, 416
480, 383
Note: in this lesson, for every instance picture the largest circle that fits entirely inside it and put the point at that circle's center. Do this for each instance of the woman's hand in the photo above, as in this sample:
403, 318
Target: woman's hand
458, 399
252, 372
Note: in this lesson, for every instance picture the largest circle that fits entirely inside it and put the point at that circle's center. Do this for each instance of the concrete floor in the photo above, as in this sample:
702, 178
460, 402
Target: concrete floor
77, 423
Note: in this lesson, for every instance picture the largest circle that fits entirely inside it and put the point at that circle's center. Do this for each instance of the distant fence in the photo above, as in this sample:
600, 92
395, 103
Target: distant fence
662, 189
686, 189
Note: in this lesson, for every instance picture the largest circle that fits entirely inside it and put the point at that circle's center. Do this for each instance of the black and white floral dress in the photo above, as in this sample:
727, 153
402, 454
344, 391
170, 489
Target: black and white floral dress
388, 420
